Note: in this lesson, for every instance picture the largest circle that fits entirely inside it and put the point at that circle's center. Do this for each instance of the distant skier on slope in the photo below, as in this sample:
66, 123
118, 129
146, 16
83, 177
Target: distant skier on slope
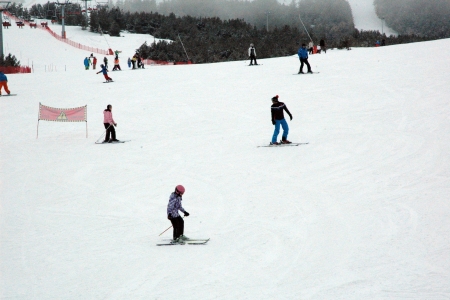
116, 64
252, 54
87, 62
4, 83
278, 119
303, 56
105, 73
172, 214
109, 124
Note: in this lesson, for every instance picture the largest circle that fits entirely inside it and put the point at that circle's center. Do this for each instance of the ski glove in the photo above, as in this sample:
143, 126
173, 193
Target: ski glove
273, 122
186, 214
291, 117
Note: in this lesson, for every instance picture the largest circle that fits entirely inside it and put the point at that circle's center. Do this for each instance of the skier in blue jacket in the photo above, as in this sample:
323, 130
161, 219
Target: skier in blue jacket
303, 56
172, 214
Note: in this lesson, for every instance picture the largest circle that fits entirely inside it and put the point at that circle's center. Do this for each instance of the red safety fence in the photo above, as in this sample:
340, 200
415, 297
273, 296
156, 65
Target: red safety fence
13, 70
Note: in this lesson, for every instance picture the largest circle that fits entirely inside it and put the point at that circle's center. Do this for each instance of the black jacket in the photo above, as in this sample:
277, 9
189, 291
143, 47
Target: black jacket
277, 111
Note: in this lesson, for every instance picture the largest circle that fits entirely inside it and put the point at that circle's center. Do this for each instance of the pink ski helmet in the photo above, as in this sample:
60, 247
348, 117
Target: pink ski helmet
180, 189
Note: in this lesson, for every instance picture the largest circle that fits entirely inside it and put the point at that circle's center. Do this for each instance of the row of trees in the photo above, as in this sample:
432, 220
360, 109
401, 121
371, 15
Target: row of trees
9, 61
419, 17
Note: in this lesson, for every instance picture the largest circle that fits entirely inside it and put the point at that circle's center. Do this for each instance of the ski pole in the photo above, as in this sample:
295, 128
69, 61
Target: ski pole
166, 230
103, 133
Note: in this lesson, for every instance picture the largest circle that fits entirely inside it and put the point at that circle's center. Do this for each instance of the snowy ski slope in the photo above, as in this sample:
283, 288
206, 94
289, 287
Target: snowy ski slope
361, 212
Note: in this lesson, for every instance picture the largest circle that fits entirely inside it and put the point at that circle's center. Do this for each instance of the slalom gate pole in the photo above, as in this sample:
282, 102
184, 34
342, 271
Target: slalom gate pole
102, 133
166, 230
305, 28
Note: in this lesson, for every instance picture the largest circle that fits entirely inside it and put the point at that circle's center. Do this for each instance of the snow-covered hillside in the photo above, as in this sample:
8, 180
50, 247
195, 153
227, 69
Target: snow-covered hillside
365, 17
361, 212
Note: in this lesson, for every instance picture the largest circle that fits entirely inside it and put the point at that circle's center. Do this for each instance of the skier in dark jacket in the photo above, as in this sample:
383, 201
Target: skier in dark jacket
303, 56
278, 119
172, 214
252, 54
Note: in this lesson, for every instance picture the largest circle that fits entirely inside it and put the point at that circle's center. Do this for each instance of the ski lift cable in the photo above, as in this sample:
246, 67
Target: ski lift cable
305, 28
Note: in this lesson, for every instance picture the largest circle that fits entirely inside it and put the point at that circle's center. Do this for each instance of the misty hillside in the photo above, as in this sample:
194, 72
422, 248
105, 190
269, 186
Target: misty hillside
421, 17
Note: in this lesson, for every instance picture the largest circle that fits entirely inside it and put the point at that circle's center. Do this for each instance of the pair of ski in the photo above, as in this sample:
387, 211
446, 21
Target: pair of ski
284, 145
118, 142
186, 242
307, 73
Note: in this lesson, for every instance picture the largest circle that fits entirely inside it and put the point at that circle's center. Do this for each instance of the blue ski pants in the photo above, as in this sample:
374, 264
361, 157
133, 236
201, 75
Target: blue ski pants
285, 126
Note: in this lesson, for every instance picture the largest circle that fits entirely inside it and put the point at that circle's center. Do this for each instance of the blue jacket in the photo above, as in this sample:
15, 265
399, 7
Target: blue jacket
3, 77
86, 62
302, 53
103, 70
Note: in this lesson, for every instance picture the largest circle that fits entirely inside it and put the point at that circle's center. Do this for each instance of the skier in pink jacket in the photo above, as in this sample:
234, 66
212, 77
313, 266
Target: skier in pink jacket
109, 123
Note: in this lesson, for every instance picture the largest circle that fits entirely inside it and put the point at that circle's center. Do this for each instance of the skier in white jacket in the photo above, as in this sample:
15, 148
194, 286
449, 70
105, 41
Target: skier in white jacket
252, 54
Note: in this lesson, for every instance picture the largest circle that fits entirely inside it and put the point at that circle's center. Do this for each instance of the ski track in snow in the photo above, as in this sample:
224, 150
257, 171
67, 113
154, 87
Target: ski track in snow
361, 212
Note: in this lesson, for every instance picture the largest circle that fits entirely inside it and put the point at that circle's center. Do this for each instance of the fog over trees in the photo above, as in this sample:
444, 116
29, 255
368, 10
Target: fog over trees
420, 17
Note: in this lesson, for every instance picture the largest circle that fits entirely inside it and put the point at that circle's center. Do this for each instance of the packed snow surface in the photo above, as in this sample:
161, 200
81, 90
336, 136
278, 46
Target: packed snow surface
361, 212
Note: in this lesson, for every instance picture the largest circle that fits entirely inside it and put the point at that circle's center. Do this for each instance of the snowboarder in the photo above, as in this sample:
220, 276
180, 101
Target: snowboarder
94, 62
116, 64
252, 54
278, 119
109, 124
303, 56
105, 73
87, 62
4, 83
172, 214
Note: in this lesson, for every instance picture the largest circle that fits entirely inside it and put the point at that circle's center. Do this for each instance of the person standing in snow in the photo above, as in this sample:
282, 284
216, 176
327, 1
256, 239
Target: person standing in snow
105, 61
172, 213
279, 120
109, 124
116, 64
303, 56
252, 54
322, 46
87, 62
311, 47
4, 83
105, 73
94, 62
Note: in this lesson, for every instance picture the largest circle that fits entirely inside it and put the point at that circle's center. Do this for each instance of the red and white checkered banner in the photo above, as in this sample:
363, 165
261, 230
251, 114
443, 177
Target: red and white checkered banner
77, 114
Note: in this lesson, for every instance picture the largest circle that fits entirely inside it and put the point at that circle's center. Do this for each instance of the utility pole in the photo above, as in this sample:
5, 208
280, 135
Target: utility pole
267, 20
3, 6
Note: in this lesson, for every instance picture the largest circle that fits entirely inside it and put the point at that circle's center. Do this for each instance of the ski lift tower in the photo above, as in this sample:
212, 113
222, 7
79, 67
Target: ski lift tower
3, 6
63, 6
86, 10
